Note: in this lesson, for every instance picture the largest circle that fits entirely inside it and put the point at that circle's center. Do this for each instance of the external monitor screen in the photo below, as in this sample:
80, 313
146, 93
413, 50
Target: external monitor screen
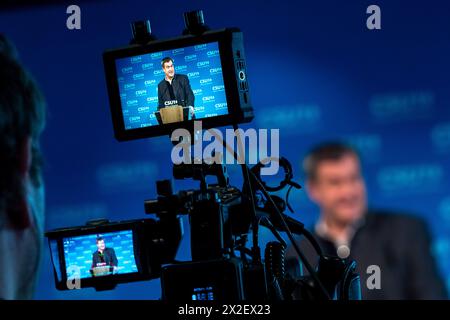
171, 86
98, 255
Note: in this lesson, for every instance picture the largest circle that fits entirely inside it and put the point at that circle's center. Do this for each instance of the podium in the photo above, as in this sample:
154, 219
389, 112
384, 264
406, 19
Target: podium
172, 114
101, 271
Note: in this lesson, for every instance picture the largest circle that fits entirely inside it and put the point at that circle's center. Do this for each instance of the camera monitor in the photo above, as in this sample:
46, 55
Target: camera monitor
97, 255
100, 254
164, 85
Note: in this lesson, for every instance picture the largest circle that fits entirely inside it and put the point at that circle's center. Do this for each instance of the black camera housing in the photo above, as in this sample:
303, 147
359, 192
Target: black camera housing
232, 57
155, 242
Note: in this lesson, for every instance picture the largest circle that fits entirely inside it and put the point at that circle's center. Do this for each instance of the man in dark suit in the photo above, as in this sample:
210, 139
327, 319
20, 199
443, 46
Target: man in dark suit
104, 257
174, 89
392, 250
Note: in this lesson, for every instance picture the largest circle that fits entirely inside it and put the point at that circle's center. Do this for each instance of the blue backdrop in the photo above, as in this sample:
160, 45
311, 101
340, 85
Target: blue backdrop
315, 72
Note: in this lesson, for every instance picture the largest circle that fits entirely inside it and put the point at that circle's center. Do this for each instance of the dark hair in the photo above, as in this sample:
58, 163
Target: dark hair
22, 115
328, 151
165, 60
99, 239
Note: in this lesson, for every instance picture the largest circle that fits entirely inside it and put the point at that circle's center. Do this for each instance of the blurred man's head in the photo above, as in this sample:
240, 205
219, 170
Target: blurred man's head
335, 182
100, 244
22, 119
168, 68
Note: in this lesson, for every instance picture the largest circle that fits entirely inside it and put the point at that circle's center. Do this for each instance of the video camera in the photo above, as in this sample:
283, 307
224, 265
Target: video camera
155, 87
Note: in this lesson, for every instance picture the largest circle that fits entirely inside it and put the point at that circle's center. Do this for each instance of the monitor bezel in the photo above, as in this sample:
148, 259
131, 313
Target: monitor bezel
224, 38
139, 249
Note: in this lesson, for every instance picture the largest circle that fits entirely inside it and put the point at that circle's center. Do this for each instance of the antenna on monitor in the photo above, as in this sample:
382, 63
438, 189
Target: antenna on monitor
194, 22
142, 32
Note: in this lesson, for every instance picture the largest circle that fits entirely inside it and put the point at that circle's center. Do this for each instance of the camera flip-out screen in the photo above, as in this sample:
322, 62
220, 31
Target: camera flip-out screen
100, 255
164, 85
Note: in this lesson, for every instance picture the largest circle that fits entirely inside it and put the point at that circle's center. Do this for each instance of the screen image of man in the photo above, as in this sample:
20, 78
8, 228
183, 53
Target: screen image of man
396, 244
174, 89
104, 260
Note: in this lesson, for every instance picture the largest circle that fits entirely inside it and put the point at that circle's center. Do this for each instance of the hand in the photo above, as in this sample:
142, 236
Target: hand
191, 110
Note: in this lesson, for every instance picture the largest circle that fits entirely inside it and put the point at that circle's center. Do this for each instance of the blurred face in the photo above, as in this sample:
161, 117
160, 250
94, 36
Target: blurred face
101, 245
36, 201
169, 70
22, 242
339, 189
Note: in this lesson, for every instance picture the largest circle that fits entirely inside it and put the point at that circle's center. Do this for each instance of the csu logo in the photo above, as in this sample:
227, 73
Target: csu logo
190, 57
129, 86
197, 91
157, 72
152, 99
148, 83
205, 81
440, 136
178, 51
180, 68
218, 88
215, 70
212, 53
140, 93
131, 103
127, 70
134, 119
136, 59
147, 66
138, 76
402, 105
143, 109
202, 64
156, 55
304, 118
195, 74
208, 99
200, 47
403, 179
219, 106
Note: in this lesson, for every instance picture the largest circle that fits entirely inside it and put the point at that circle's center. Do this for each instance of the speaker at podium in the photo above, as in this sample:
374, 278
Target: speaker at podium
172, 114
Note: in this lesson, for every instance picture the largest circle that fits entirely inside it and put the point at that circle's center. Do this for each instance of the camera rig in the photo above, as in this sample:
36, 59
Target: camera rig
221, 216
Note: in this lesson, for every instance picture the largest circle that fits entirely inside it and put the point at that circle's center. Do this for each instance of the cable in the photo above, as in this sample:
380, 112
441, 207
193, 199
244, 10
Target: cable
308, 235
255, 224
294, 243
246, 172
274, 231
287, 199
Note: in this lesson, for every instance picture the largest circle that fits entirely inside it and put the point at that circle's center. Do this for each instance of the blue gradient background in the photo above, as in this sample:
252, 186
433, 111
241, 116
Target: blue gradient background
315, 72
